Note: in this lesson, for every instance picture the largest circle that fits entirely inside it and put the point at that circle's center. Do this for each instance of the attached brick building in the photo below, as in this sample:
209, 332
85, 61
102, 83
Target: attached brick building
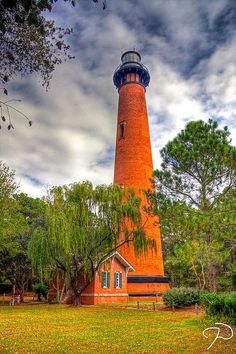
109, 284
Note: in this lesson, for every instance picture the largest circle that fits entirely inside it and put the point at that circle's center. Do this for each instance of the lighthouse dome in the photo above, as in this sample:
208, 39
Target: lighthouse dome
131, 56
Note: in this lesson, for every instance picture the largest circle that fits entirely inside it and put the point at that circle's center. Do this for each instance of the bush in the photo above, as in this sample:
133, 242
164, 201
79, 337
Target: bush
40, 290
230, 307
221, 306
213, 303
181, 297
5, 287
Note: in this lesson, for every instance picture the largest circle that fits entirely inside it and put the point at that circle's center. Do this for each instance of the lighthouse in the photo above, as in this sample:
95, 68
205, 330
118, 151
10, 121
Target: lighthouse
134, 168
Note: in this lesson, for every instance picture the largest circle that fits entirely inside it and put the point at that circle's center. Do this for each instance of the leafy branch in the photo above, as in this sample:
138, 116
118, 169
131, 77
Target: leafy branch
6, 109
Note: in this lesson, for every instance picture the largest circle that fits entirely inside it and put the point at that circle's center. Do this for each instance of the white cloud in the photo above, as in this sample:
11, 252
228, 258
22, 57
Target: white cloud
216, 79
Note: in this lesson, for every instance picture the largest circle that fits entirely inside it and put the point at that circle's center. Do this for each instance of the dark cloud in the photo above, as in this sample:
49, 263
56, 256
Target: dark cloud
33, 180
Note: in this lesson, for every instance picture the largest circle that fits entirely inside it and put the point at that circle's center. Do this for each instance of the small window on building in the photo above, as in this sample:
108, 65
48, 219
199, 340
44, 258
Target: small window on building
105, 279
118, 280
122, 129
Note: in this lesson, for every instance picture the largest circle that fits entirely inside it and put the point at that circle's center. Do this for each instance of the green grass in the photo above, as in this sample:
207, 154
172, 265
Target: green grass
103, 329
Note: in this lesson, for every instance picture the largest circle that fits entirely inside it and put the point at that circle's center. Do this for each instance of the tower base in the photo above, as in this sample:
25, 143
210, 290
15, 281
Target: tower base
146, 287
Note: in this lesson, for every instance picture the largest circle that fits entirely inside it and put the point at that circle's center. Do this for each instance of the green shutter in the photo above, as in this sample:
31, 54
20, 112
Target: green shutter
120, 280
104, 279
108, 279
116, 280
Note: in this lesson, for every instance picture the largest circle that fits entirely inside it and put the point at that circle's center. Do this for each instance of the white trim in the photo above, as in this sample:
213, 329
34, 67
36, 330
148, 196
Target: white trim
116, 254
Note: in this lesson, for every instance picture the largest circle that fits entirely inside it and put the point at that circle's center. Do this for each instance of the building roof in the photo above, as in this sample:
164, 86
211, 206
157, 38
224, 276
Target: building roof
122, 260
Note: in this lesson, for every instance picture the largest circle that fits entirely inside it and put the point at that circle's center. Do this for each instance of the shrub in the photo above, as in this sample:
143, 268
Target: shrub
5, 287
181, 297
212, 303
40, 290
221, 305
230, 307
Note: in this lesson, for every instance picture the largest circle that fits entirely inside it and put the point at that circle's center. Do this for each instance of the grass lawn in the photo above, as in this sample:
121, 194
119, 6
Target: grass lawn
104, 329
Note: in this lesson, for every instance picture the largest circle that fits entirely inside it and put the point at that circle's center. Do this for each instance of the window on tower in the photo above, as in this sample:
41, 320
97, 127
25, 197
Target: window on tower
122, 129
137, 77
132, 77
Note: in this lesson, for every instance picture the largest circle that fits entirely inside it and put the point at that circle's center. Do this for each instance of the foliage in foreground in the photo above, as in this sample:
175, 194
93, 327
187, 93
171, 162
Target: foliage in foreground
181, 297
30, 43
221, 306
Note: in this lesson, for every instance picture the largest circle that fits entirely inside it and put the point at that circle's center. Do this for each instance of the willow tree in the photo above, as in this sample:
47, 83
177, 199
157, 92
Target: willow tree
196, 196
85, 225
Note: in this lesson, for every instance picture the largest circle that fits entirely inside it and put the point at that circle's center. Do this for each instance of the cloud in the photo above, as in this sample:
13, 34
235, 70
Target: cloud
216, 81
189, 49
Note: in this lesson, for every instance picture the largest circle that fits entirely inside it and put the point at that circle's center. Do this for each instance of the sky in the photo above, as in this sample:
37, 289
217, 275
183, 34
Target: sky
189, 48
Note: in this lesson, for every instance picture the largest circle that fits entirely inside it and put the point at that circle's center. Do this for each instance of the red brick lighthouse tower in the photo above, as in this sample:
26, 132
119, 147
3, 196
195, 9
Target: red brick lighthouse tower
134, 168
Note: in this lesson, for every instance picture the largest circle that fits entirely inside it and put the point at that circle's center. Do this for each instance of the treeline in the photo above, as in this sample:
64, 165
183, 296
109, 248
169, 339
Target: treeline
19, 217
196, 202
70, 231
62, 239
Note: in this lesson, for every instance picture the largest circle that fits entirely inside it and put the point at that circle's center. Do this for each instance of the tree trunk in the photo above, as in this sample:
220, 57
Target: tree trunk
212, 277
62, 291
212, 271
22, 293
198, 278
203, 277
76, 298
58, 288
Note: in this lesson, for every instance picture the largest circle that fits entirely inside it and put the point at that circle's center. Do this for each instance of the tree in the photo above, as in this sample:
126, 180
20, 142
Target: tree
33, 211
85, 225
12, 222
19, 216
29, 42
11, 219
196, 186
6, 108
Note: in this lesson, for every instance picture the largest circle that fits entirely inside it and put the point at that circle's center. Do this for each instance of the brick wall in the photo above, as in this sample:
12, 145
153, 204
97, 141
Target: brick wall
134, 168
96, 294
